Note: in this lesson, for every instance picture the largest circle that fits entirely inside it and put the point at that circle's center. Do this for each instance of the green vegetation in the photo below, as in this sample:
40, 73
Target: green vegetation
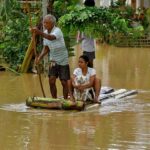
60, 7
15, 32
15, 36
104, 23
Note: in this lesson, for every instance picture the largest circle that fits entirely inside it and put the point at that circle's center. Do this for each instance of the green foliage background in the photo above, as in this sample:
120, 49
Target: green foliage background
97, 22
14, 25
15, 35
15, 32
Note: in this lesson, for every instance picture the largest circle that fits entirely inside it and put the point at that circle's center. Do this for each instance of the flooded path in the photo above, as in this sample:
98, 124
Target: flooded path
118, 124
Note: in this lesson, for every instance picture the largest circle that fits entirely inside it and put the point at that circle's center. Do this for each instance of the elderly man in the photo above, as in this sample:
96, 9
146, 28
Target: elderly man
53, 43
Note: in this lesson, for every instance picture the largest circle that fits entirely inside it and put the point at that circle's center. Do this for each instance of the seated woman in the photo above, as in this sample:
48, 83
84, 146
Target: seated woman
84, 84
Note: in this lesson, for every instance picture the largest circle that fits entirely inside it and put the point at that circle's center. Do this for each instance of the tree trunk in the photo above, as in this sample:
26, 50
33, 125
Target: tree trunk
44, 7
50, 7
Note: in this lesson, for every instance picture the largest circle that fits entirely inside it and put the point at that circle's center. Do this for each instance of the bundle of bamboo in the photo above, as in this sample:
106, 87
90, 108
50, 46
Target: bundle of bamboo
51, 103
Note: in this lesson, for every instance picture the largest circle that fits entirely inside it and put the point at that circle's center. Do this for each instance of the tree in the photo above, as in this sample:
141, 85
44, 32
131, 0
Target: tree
95, 22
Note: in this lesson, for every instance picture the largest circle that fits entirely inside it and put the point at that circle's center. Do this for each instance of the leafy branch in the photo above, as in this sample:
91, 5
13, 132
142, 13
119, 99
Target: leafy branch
93, 21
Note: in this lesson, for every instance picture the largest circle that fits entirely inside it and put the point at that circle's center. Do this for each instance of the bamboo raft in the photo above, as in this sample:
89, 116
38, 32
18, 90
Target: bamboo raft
62, 104
51, 103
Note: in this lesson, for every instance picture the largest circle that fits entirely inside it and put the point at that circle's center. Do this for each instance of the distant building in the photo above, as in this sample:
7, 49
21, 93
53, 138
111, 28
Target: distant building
134, 3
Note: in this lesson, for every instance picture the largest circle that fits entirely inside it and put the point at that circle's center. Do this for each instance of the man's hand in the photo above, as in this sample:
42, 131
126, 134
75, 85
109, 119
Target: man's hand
35, 30
37, 60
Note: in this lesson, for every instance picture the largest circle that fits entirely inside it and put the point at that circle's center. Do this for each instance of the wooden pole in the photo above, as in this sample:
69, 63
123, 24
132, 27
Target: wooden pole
35, 53
37, 66
44, 13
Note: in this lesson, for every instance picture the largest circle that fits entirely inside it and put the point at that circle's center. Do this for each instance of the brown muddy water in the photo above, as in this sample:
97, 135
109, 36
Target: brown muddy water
119, 124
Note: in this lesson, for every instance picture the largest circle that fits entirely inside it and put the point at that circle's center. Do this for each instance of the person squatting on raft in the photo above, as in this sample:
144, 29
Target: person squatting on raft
53, 43
84, 84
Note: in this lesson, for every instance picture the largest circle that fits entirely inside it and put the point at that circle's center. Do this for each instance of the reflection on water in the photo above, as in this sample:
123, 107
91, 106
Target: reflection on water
117, 124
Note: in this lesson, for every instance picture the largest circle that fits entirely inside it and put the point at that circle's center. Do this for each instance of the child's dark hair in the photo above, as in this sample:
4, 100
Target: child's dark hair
85, 58
89, 3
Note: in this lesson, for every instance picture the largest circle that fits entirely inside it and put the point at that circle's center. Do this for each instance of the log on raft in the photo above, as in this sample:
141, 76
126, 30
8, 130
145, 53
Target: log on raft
51, 103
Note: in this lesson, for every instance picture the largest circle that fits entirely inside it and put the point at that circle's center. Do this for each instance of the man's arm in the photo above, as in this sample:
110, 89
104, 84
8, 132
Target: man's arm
44, 35
45, 50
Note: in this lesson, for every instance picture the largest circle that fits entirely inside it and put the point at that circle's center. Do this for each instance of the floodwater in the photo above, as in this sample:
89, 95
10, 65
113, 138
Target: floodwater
119, 124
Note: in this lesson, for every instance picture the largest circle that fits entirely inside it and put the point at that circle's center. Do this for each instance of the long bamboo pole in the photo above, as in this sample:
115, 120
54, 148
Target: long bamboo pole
35, 53
37, 66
